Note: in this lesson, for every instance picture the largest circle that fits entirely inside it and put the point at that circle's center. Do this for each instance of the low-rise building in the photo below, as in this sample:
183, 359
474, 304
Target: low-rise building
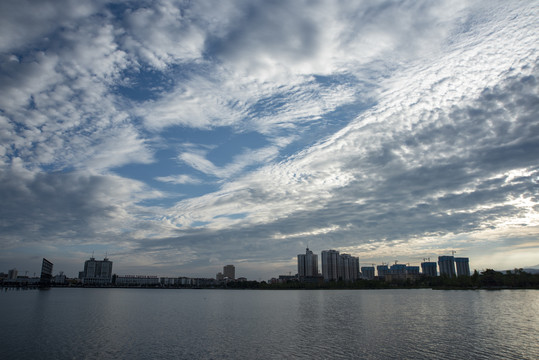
137, 280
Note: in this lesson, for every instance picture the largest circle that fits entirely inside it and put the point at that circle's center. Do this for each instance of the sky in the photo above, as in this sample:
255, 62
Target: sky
176, 137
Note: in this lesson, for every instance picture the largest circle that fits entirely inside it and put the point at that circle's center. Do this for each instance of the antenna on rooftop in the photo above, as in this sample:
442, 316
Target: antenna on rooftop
453, 252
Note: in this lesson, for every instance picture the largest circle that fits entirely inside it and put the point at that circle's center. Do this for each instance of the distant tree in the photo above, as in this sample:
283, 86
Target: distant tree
475, 278
491, 278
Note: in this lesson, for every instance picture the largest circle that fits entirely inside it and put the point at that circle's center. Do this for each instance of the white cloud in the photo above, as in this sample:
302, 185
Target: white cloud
446, 148
121, 146
163, 34
178, 179
197, 160
40, 18
375, 149
59, 103
198, 104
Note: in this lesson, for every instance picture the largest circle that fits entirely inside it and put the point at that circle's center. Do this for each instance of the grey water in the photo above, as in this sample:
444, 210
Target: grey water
77, 323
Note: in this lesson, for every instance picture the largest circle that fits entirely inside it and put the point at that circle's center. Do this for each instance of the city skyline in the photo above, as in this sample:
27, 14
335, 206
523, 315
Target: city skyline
334, 266
178, 137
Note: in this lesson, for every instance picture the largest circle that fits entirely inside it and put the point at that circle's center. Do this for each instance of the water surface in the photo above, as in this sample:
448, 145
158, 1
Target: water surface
64, 323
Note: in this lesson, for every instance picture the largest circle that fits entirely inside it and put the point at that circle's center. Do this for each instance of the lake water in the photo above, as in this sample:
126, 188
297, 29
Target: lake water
79, 323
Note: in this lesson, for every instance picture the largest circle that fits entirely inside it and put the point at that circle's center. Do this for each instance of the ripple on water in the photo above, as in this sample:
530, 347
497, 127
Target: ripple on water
219, 324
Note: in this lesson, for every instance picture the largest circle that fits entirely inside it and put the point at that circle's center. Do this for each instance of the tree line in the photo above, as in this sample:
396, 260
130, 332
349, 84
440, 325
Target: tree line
487, 279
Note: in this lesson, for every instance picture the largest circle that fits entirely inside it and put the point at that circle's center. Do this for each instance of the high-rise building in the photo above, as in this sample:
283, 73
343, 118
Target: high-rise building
399, 269
463, 266
307, 264
350, 267
428, 268
446, 265
229, 271
399, 273
46, 273
330, 265
382, 270
339, 267
367, 272
12, 274
97, 272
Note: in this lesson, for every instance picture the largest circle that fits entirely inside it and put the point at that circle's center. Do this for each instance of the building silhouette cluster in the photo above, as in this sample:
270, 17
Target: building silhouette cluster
12, 278
345, 267
334, 267
448, 264
337, 266
98, 273
229, 273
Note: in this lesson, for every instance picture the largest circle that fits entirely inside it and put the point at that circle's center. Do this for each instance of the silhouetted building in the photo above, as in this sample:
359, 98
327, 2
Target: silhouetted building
46, 273
382, 270
367, 272
446, 265
169, 281
350, 267
396, 273
97, 272
59, 279
412, 270
286, 278
463, 266
397, 269
330, 265
428, 268
401, 273
12, 274
137, 280
229, 271
339, 267
307, 265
